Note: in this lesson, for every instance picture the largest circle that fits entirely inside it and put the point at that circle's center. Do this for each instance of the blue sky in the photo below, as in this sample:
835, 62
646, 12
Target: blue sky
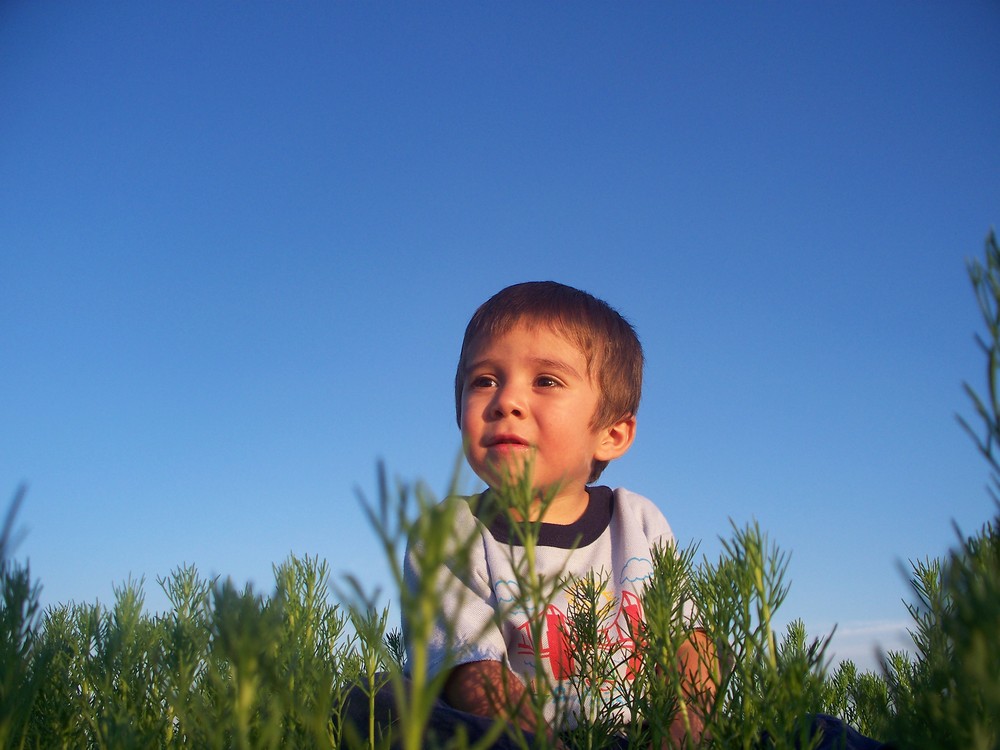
241, 241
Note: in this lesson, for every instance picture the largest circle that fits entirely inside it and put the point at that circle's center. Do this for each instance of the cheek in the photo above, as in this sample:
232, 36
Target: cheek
474, 406
467, 423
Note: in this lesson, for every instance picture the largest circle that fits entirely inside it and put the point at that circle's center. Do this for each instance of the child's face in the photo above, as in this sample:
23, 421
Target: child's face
526, 395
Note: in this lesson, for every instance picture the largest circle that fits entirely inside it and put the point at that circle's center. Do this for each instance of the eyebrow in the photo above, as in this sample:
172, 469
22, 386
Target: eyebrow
540, 362
555, 364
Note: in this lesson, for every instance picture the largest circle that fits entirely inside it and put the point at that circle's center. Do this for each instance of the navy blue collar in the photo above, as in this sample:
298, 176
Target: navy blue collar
581, 533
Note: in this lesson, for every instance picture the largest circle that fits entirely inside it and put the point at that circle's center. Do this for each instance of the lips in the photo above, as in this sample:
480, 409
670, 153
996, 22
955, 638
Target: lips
504, 440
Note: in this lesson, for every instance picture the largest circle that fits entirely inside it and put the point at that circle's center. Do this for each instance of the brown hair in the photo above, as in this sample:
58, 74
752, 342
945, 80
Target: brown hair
608, 342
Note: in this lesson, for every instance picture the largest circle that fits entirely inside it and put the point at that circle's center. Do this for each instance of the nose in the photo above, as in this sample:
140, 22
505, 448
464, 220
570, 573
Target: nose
507, 401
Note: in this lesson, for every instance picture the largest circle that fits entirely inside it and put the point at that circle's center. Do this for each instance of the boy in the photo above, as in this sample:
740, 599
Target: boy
547, 388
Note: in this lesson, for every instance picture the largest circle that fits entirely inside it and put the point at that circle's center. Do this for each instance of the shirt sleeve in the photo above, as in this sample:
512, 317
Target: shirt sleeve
463, 623
658, 532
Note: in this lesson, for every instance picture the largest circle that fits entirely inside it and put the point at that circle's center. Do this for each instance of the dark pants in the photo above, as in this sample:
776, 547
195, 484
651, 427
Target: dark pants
446, 722
839, 736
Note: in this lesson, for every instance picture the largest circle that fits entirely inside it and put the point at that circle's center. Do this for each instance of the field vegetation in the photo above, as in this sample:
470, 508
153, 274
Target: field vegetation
230, 667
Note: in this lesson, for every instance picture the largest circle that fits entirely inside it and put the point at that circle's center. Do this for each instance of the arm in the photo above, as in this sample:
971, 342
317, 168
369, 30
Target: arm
488, 688
695, 658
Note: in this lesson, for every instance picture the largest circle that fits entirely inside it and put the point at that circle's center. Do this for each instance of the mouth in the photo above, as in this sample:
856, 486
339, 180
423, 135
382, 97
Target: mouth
503, 441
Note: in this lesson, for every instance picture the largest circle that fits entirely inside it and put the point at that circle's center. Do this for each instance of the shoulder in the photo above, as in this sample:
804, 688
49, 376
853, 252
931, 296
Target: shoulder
454, 517
639, 512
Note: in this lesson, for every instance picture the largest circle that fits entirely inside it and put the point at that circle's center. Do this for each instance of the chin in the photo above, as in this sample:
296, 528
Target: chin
503, 473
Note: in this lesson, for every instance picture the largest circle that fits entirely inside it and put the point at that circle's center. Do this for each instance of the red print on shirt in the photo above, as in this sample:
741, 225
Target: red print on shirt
556, 647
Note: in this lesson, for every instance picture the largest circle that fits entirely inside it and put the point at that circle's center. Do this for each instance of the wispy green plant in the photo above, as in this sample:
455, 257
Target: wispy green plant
860, 698
946, 694
224, 668
533, 592
594, 682
183, 649
18, 619
762, 682
310, 653
410, 520
658, 694
950, 696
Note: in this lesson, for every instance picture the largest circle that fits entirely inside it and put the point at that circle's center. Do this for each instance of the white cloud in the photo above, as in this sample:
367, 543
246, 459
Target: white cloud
863, 641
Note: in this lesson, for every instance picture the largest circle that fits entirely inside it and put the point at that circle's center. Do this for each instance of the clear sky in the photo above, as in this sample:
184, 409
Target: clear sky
239, 243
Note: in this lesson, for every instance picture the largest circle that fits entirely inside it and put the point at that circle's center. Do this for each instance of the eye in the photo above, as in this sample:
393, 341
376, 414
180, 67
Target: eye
546, 381
482, 381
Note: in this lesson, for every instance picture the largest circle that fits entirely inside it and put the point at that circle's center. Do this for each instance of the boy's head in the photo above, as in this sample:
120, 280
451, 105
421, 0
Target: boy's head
608, 343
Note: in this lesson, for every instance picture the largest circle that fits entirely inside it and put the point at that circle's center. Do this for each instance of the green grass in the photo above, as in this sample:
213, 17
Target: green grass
226, 667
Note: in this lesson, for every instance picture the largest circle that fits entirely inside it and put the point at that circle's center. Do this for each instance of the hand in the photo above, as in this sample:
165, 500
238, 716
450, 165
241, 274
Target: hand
488, 688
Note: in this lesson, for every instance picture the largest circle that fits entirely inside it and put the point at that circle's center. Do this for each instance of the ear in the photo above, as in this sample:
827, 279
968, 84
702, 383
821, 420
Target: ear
615, 440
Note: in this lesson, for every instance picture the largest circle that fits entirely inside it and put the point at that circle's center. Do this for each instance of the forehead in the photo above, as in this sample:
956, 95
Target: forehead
545, 340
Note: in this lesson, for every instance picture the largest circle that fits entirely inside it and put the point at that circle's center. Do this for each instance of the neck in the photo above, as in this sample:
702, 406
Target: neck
563, 509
